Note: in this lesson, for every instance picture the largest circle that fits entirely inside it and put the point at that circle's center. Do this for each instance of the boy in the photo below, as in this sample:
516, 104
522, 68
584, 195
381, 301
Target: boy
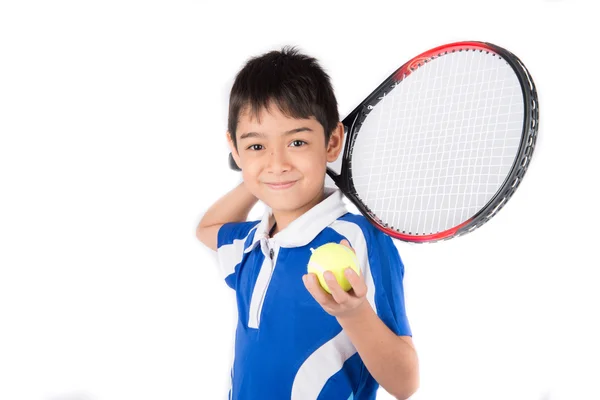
293, 339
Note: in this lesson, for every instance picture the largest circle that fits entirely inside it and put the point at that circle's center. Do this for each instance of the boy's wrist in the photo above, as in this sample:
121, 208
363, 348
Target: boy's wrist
356, 316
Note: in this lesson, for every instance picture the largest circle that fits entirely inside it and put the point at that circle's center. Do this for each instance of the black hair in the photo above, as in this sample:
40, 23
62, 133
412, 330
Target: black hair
292, 81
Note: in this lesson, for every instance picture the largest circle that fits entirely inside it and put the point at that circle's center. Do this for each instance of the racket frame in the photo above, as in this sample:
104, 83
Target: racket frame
353, 121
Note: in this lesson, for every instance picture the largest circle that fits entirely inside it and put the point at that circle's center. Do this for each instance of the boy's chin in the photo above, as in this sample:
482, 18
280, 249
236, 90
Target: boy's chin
288, 202
283, 204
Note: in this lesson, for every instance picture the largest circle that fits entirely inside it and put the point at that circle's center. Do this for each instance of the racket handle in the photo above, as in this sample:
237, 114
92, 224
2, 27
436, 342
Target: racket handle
232, 163
334, 177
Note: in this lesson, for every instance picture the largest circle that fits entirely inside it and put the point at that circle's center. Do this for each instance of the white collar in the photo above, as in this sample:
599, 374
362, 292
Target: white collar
306, 227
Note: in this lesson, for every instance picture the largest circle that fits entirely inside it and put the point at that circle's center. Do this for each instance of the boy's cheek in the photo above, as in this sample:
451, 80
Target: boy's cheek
252, 188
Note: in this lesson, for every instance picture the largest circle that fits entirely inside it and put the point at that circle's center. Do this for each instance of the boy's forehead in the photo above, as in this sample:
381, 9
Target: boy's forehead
271, 118
272, 111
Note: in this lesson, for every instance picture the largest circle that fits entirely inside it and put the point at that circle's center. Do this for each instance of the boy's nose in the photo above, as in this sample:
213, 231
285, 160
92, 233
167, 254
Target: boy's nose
278, 161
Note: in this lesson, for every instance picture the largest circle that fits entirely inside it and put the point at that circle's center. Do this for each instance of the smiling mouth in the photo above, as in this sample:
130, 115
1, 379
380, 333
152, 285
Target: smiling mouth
281, 185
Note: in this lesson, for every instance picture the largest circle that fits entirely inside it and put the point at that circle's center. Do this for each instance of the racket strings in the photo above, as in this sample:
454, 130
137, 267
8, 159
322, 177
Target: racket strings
435, 149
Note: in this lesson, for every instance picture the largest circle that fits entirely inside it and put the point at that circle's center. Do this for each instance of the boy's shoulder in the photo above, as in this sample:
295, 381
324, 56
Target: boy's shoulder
235, 231
357, 219
359, 227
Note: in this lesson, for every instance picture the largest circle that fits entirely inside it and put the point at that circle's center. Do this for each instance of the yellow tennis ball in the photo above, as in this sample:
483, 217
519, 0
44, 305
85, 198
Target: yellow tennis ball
336, 258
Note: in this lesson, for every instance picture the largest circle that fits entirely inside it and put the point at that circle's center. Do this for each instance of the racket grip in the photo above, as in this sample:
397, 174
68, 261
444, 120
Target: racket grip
232, 163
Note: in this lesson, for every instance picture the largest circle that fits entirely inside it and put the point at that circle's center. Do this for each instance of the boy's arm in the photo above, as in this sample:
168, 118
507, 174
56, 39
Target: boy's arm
233, 207
387, 351
391, 359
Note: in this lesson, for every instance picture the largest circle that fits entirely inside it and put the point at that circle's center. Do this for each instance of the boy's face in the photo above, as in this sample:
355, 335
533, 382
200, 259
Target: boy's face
284, 160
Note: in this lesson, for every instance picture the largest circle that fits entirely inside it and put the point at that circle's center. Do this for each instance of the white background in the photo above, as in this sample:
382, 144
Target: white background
112, 146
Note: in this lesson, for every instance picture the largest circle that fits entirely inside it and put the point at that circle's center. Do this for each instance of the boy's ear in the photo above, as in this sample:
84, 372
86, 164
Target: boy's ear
336, 142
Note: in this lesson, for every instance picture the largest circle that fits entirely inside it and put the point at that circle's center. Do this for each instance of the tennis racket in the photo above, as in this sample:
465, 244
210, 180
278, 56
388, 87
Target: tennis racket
442, 144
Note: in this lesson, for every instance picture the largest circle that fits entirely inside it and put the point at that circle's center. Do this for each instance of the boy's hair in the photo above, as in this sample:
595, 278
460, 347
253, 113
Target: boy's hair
294, 82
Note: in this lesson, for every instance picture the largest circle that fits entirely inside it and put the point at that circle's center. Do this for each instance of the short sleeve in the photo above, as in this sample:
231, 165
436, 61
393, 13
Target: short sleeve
232, 239
388, 274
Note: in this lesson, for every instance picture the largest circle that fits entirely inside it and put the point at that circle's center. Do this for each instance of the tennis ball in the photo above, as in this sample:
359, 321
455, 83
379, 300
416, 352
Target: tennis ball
336, 258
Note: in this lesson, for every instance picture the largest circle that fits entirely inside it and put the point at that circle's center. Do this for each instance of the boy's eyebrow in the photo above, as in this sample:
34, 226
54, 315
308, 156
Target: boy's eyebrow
262, 135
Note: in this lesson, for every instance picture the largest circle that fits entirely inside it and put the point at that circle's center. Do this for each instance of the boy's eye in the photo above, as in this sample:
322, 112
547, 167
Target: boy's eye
255, 147
298, 143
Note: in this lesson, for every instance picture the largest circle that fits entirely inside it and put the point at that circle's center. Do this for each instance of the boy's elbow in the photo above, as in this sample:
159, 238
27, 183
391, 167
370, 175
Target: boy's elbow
203, 230
408, 390
199, 232
406, 395
202, 233
208, 235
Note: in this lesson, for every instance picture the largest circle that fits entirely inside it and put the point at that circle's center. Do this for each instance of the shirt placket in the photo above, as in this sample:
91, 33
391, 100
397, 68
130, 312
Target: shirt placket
269, 250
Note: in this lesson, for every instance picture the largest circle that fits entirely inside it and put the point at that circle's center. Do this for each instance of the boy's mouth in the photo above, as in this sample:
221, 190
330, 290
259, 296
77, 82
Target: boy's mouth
281, 185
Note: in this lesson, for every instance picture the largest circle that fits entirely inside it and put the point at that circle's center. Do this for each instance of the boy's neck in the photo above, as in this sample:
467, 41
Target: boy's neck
281, 219
273, 230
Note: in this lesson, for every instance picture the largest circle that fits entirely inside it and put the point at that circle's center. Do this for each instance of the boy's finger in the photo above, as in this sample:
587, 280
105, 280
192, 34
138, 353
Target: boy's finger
314, 288
357, 282
346, 243
339, 294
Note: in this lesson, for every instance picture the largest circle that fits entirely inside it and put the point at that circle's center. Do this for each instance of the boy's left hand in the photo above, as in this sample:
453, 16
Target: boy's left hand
339, 303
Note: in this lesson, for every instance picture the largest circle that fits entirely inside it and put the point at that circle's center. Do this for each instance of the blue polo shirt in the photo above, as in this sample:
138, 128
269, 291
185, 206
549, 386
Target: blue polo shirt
286, 345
